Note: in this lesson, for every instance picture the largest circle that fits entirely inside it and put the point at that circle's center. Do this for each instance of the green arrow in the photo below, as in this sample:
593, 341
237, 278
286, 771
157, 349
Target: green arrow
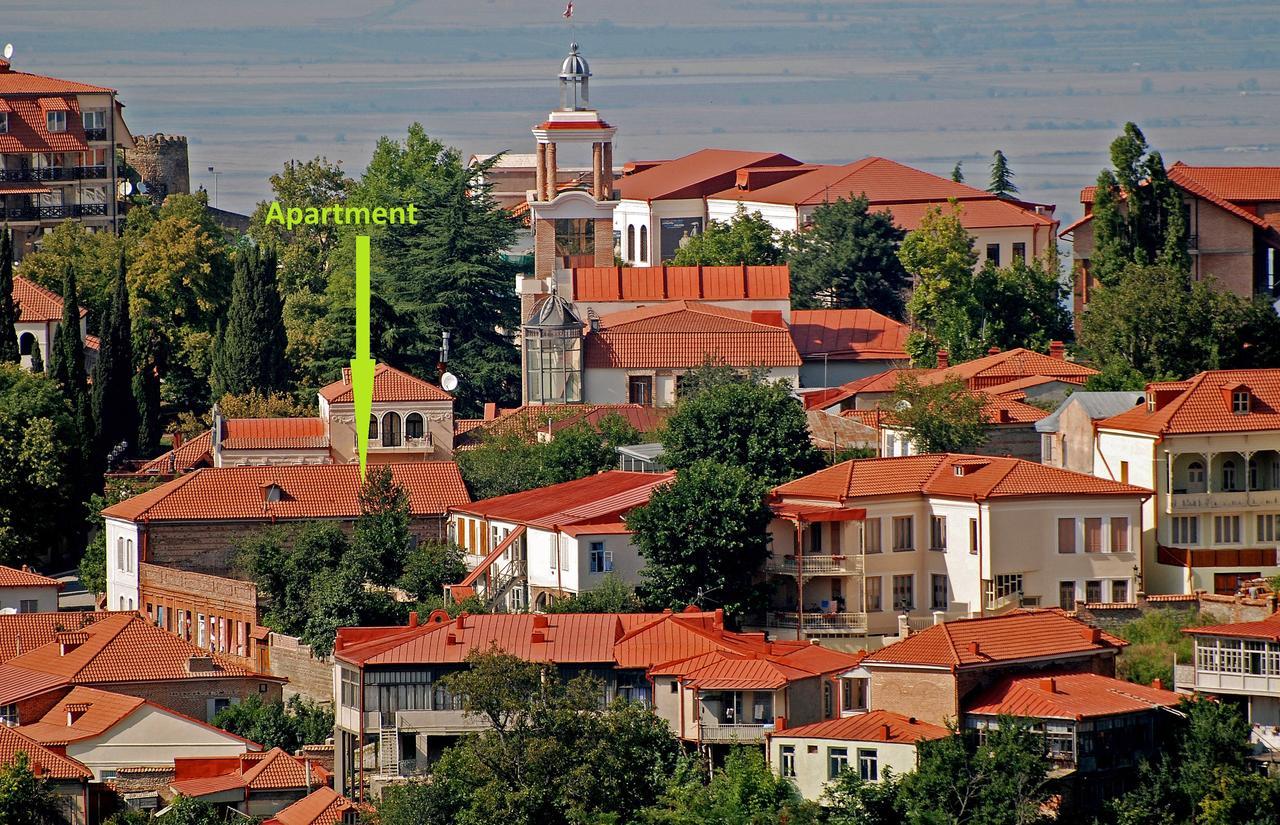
362, 364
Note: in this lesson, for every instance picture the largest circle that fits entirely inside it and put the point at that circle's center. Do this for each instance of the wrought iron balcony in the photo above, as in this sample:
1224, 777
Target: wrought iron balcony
57, 173
95, 134
52, 213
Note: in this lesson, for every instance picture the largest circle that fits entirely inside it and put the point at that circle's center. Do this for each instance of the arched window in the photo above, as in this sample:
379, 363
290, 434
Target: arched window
391, 430
1195, 473
413, 425
631, 242
26, 343
1228, 475
373, 427
120, 553
644, 244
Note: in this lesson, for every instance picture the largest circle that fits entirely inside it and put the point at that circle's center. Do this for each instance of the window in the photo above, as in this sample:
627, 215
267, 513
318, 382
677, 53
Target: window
575, 238
1067, 595
373, 427
601, 559
1020, 252
1228, 475
973, 536
1008, 585
1093, 592
1253, 474
938, 533
9, 715
1066, 535
4, 123
902, 533
938, 600
644, 244
120, 553
1120, 591
787, 761
201, 629
28, 606
128, 555
1240, 402
1093, 535
873, 604
904, 592
1124, 472
56, 121
837, 761
1186, 529
1226, 529
871, 535
1119, 534
391, 430
1195, 473
1046, 449
640, 390
413, 425
94, 119
993, 253
1269, 527
815, 539
631, 242
868, 765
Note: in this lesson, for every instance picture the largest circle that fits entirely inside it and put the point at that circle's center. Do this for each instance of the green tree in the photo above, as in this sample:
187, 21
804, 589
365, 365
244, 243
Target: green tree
1001, 185
1155, 639
612, 596
940, 418
943, 306
37, 361
381, 537
957, 172
287, 726
743, 792
249, 352
114, 412
430, 566
8, 309
1137, 212
847, 257
26, 799
503, 463
1023, 304
185, 810
587, 448
66, 366
304, 250
703, 537
851, 800
93, 256
745, 422
960, 780
746, 238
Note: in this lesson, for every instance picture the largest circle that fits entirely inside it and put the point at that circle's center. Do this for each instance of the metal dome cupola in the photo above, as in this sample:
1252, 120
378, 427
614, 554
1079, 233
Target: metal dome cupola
552, 352
575, 78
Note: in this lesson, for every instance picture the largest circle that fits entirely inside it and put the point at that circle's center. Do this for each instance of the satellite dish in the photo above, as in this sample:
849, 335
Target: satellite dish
8, 50
126, 188
449, 382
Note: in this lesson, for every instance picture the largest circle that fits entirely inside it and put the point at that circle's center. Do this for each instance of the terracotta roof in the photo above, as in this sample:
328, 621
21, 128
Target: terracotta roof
875, 726
731, 672
1067, 696
872, 418
695, 175
260, 771
13, 577
675, 283
18, 683
320, 491
125, 647
530, 420
1233, 183
607, 494
29, 127
1002, 367
979, 478
848, 334
1188, 182
1028, 634
323, 806
23, 632
1268, 629
195, 452
277, 770
389, 385
274, 434
100, 711
1203, 405
23, 83
36, 305
47, 763
974, 214
684, 334
878, 383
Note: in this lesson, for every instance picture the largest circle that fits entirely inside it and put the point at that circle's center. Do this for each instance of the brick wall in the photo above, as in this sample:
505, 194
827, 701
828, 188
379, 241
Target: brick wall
927, 695
1223, 609
229, 607
309, 675
191, 696
604, 242
544, 248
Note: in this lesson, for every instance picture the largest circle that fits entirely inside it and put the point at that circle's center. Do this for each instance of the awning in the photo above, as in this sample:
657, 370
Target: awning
809, 514
54, 104
23, 189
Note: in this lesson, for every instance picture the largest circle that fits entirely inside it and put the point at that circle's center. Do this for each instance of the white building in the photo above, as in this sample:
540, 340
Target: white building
39, 316
1210, 448
858, 545
1240, 662
22, 591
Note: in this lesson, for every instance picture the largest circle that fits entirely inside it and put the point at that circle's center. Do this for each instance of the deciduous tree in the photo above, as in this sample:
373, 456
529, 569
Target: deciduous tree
430, 566
745, 239
743, 792
939, 254
847, 257
26, 799
380, 541
940, 418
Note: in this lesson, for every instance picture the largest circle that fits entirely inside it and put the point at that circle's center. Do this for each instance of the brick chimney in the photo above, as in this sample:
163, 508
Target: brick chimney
1093, 635
1157, 683
413, 618
993, 351
888, 734
779, 723
541, 621
1049, 685
177, 440
975, 648
944, 359
490, 410
1058, 350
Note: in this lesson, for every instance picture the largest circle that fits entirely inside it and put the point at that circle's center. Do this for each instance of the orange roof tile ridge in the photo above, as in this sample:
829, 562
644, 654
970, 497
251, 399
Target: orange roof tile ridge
1009, 468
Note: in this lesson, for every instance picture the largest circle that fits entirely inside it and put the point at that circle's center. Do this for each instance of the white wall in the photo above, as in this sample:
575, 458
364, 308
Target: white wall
650, 214
811, 768
150, 736
46, 598
627, 562
610, 386
122, 578
783, 217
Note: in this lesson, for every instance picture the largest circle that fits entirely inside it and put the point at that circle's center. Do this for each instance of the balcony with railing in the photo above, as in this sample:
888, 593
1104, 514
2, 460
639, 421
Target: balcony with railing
733, 732
57, 173
819, 623
815, 565
95, 134
27, 212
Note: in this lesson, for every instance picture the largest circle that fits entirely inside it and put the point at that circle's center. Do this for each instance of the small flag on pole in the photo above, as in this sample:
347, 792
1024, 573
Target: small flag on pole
568, 11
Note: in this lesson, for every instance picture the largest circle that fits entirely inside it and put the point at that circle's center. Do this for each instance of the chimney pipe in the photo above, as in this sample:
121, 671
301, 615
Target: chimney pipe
887, 733
779, 723
413, 618
944, 359
1049, 685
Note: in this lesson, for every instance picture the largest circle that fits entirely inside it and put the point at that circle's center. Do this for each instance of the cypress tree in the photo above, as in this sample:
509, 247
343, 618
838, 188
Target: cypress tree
37, 360
8, 311
114, 415
1001, 177
249, 350
146, 397
66, 362
957, 173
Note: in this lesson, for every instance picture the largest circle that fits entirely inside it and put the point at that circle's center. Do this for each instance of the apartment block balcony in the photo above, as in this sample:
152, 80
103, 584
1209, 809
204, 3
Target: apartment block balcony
1232, 500
58, 173
732, 733
53, 213
818, 623
95, 134
816, 565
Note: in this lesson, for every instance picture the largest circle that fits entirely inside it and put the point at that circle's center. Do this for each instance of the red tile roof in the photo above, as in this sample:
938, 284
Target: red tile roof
13, 577
274, 434
322, 491
694, 176
974, 214
45, 762
675, 283
389, 385
29, 128
875, 726
879, 179
683, 334
23, 83
100, 711
195, 452
324, 806
1268, 629
1028, 634
531, 420
1011, 364
1067, 696
1202, 404
935, 474
36, 305
1233, 183
608, 494
23, 632
848, 334
264, 771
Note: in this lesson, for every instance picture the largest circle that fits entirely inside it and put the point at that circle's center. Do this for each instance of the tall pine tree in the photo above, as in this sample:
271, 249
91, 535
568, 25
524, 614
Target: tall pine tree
250, 351
114, 413
8, 310
957, 172
1002, 185
37, 359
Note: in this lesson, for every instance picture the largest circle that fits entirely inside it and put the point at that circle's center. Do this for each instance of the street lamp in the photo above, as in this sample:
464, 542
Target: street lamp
215, 186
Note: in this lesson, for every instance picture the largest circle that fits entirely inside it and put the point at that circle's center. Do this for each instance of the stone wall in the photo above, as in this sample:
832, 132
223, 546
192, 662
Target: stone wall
1223, 609
161, 161
309, 675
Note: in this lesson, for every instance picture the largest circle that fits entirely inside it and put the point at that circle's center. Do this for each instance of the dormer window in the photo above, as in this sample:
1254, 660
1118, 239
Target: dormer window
1151, 402
1240, 402
56, 121
959, 469
272, 492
